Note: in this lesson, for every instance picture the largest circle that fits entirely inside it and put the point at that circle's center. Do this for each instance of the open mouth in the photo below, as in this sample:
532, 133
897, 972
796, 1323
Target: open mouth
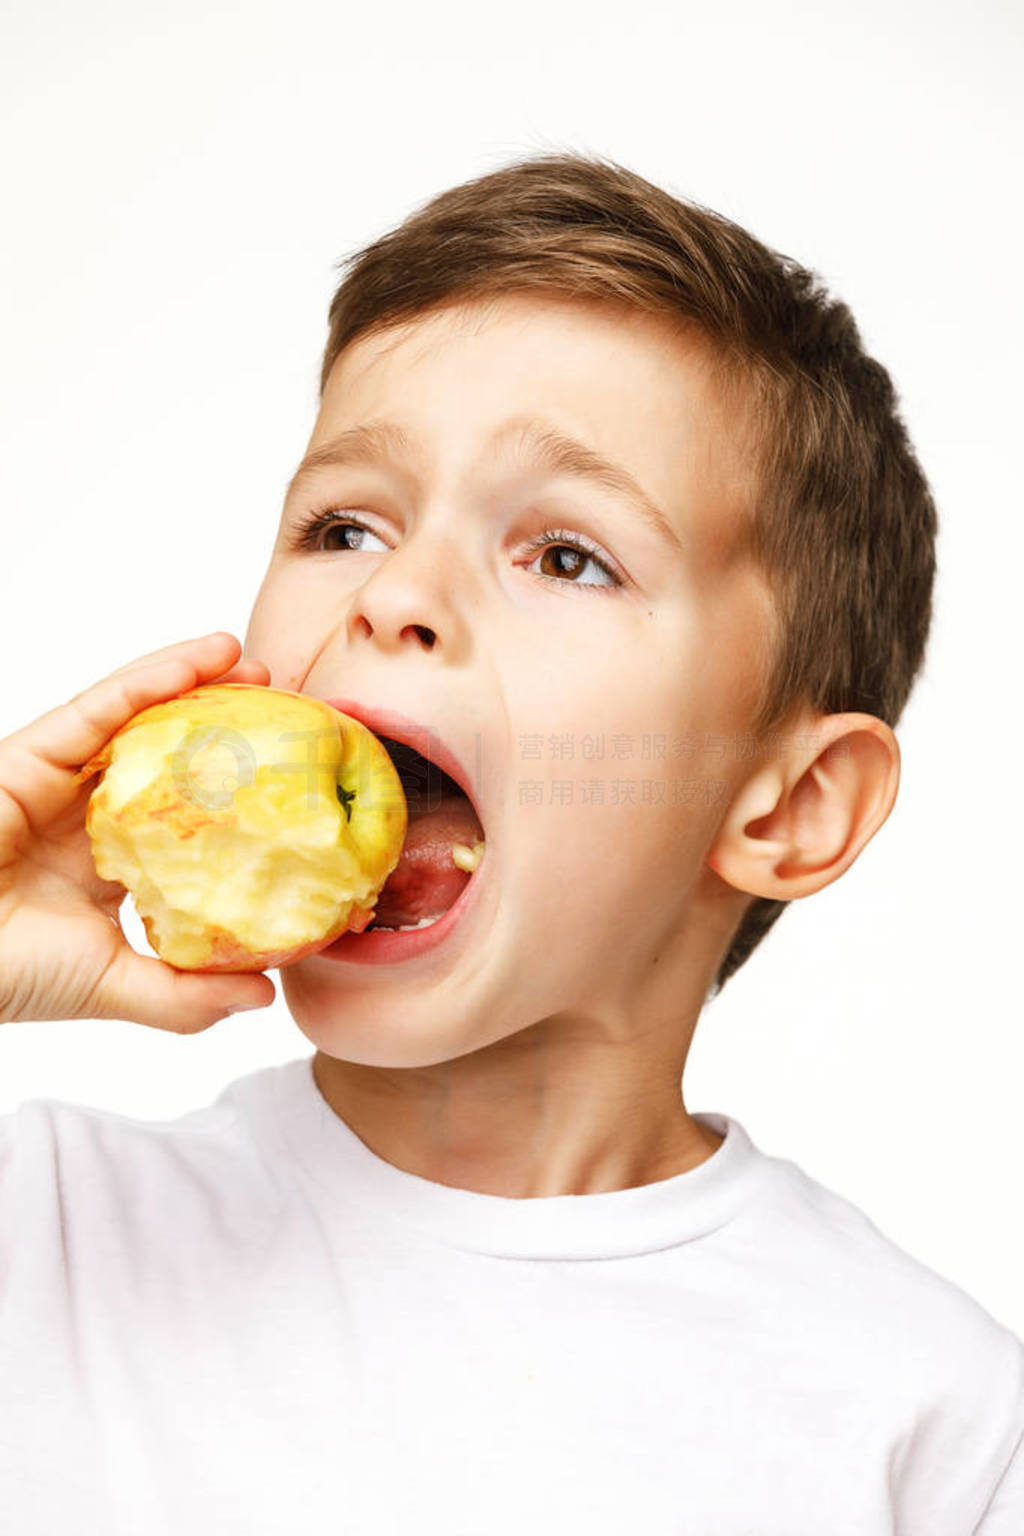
435, 882
444, 844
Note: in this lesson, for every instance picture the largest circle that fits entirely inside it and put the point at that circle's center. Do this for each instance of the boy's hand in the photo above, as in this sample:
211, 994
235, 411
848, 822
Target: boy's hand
63, 953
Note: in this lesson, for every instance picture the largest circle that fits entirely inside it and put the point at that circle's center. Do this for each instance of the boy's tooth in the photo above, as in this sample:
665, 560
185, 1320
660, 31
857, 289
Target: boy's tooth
467, 858
424, 922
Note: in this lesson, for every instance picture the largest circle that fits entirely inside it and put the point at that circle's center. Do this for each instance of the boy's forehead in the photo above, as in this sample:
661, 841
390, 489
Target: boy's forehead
536, 328
638, 391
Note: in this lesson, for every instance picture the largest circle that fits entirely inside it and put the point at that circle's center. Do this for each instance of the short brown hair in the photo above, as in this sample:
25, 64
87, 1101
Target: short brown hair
844, 525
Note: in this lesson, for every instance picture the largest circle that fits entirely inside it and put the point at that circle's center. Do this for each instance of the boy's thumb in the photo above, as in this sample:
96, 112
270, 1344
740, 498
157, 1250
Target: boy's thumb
144, 990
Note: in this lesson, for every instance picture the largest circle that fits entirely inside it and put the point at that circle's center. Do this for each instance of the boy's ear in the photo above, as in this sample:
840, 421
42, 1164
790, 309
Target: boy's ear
799, 823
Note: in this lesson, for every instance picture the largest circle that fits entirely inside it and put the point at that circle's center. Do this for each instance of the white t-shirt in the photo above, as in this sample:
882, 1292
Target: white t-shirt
243, 1322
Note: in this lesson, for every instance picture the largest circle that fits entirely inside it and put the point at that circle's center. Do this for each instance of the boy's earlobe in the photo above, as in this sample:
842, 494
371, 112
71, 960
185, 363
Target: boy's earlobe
800, 822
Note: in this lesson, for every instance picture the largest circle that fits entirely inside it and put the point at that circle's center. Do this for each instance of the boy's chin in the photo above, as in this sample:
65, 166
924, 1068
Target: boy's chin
393, 1036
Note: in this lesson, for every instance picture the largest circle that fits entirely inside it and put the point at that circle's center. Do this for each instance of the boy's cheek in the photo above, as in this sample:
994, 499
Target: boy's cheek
280, 634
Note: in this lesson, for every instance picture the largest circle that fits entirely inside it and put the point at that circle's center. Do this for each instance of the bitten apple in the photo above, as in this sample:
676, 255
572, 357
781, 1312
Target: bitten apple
252, 825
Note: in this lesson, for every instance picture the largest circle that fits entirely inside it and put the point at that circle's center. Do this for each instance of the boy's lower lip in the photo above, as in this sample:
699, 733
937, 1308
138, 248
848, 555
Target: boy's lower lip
381, 948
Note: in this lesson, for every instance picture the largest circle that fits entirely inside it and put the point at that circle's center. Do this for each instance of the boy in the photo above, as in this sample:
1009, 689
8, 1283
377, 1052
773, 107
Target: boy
473, 1267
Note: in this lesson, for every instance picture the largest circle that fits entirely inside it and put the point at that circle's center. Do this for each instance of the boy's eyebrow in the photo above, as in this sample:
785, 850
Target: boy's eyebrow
533, 441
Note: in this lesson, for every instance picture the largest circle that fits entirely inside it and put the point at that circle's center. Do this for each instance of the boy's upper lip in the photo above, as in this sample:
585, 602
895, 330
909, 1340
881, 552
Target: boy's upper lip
423, 738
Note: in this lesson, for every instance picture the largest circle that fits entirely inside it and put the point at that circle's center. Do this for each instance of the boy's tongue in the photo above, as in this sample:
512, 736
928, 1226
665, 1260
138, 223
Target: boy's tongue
426, 881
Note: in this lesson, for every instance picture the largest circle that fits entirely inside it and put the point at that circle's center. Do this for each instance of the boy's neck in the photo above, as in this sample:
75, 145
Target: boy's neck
529, 1116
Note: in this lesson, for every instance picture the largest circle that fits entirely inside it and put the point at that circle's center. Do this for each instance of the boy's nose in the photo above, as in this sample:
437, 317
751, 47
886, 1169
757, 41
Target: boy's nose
417, 595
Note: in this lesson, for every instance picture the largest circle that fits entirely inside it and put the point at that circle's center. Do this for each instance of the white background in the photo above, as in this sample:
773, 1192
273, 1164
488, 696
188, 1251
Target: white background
179, 182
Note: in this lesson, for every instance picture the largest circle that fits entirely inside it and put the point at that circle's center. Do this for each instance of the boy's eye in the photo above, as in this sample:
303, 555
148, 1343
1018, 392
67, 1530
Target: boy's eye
312, 534
308, 534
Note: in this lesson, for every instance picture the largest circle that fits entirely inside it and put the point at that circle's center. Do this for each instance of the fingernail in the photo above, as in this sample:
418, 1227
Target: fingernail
244, 1007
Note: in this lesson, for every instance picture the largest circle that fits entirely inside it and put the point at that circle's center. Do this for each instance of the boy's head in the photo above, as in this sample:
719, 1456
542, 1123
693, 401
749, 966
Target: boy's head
700, 730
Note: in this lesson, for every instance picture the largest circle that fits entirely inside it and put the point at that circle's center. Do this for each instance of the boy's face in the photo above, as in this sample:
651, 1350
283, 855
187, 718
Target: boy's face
602, 723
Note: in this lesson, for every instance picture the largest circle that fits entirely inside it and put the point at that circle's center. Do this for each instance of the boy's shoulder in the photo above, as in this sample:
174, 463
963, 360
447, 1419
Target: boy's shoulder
80, 1155
901, 1340
859, 1290
221, 1123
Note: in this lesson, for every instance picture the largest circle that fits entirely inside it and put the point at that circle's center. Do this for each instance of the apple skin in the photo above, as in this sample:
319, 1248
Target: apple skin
253, 826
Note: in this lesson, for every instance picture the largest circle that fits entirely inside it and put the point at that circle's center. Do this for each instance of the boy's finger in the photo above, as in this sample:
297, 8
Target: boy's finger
200, 649
147, 991
42, 765
248, 670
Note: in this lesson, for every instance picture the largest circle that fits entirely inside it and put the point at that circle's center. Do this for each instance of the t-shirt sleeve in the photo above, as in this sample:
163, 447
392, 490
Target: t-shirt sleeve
1005, 1513
38, 1342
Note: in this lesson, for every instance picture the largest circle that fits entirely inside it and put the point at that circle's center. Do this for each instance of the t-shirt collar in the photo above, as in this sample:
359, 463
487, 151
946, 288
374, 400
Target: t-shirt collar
609, 1224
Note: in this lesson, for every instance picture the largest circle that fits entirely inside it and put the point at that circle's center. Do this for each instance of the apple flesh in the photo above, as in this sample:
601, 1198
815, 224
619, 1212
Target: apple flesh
252, 825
